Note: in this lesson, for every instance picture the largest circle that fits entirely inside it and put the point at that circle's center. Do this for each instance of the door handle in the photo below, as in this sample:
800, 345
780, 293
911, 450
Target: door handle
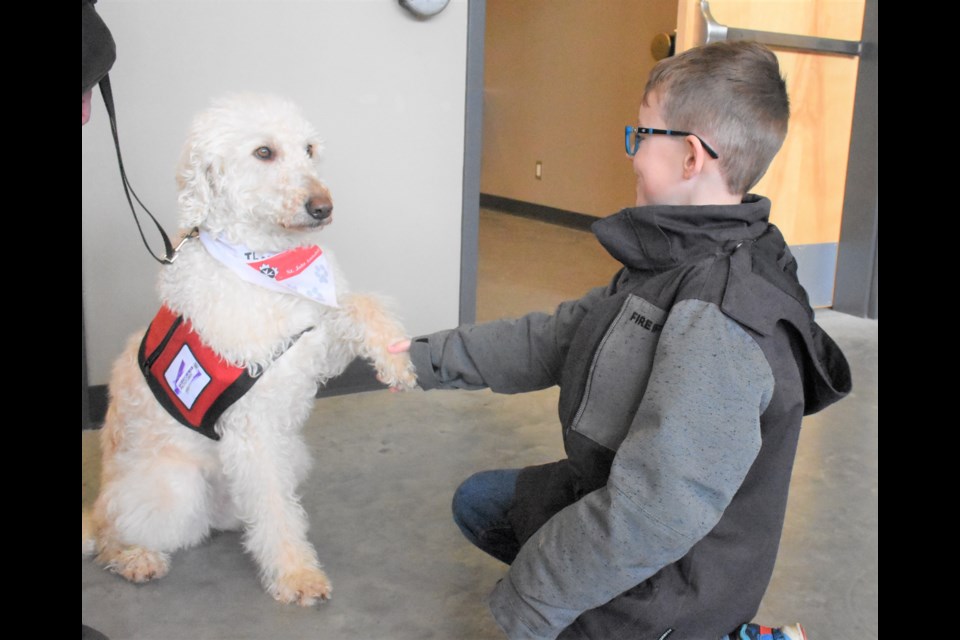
709, 30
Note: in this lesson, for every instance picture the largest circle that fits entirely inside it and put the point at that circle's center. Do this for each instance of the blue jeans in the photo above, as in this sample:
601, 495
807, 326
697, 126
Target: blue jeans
480, 508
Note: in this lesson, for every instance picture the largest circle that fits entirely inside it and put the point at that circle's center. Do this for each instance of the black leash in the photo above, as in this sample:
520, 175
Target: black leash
171, 253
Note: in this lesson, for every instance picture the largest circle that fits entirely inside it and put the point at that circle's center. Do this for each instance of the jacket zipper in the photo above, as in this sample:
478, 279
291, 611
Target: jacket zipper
149, 360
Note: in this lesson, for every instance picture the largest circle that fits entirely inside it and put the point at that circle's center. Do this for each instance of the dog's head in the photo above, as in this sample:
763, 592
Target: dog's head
248, 172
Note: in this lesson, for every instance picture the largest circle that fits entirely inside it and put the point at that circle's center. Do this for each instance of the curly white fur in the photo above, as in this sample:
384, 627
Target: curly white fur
165, 487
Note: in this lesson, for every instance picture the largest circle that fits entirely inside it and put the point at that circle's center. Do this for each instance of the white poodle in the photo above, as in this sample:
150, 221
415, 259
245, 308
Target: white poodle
248, 182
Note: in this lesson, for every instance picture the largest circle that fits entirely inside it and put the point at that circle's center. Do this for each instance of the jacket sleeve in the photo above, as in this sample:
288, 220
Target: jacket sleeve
508, 356
690, 444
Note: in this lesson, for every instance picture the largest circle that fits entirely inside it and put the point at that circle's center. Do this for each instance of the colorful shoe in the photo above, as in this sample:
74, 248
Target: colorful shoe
759, 632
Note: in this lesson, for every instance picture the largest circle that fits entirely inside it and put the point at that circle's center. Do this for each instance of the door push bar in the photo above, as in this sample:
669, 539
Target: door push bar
709, 30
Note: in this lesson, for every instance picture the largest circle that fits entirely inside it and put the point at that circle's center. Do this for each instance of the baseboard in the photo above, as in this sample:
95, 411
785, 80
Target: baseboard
97, 395
359, 376
816, 270
543, 213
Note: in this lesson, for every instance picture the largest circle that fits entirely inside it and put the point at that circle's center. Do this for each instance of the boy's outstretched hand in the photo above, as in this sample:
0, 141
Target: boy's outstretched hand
399, 347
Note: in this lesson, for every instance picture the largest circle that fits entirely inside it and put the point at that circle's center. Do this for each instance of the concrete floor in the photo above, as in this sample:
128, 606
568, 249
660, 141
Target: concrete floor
387, 465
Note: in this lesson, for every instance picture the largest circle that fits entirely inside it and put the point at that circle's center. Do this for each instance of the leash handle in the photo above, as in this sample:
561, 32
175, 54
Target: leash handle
170, 254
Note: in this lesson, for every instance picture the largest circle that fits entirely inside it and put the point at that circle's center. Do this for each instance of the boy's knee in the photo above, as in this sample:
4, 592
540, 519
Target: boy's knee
484, 498
463, 499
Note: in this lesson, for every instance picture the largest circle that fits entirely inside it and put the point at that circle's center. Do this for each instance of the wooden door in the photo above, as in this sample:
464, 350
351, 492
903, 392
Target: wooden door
806, 179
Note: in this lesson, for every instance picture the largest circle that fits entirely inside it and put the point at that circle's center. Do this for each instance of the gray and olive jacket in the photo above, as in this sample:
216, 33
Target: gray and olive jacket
682, 388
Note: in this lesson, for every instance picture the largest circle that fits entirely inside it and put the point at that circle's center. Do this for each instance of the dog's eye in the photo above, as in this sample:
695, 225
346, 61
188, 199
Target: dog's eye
263, 153
309, 150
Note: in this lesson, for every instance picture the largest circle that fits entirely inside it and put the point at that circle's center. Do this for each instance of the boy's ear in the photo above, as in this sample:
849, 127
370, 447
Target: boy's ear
694, 158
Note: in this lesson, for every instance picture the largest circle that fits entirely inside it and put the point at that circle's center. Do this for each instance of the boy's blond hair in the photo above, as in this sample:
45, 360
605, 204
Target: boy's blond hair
732, 95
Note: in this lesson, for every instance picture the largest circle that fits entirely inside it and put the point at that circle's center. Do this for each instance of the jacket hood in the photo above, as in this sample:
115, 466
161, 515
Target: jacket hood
763, 291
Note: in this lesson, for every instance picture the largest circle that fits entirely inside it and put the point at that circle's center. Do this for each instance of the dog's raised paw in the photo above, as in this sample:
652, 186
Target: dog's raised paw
398, 372
407, 379
304, 587
137, 564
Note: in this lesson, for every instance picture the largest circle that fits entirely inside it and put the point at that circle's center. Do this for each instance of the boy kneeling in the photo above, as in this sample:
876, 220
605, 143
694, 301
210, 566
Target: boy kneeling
683, 384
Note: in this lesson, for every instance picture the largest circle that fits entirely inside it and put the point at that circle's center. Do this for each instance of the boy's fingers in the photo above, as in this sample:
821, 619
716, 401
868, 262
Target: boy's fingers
399, 347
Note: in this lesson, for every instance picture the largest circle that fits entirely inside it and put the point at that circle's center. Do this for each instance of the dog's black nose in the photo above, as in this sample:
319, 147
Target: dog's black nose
319, 208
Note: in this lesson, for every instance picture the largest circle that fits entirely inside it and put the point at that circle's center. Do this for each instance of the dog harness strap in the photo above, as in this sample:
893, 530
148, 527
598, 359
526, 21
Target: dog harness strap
127, 189
188, 378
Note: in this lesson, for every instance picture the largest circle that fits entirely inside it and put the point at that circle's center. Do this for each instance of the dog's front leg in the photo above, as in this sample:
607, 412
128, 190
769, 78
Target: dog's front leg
262, 461
377, 330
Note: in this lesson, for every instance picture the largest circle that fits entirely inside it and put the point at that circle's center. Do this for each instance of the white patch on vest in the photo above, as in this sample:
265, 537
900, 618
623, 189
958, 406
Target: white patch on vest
186, 377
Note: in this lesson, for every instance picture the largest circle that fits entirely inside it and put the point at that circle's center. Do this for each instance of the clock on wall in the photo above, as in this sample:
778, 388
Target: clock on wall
424, 8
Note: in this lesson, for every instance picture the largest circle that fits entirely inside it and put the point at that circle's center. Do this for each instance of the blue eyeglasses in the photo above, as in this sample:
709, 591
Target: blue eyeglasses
632, 139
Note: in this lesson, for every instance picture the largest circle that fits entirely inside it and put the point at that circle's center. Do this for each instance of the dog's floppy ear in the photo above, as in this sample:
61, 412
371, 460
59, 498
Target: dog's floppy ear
198, 179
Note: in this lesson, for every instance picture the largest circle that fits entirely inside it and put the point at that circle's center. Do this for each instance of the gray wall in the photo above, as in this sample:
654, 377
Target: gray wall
386, 92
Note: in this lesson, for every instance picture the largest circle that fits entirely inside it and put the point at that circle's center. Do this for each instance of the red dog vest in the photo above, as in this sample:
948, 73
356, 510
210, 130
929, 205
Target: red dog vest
188, 378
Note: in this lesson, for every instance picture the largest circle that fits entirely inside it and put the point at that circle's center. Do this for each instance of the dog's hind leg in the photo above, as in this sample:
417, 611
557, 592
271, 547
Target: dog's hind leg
263, 462
148, 507
136, 564
154, 497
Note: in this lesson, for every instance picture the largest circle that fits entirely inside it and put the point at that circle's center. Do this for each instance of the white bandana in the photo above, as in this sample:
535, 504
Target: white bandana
303, 271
